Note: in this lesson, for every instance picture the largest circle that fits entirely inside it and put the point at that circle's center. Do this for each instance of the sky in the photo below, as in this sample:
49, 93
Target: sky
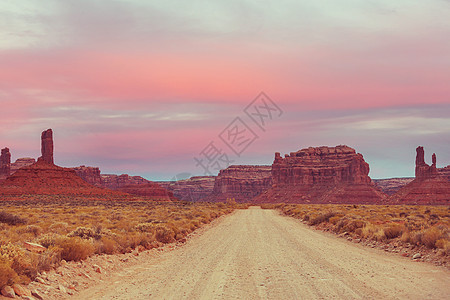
162, 89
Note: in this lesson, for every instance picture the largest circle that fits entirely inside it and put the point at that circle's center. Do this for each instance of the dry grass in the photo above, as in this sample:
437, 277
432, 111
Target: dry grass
77, 229
415, 225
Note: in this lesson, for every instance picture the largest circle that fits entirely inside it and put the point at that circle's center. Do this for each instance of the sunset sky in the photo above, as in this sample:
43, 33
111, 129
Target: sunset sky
143, 87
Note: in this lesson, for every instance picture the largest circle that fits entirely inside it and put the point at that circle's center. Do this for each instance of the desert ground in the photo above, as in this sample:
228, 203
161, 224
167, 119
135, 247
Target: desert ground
260, 254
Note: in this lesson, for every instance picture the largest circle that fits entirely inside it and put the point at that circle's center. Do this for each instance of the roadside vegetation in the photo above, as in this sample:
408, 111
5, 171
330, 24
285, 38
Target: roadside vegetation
415, 226
76, 229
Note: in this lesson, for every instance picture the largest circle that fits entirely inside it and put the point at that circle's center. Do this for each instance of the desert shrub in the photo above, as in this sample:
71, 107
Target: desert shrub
322, 218
59, 227
85, 233
7, 275
164, 234
33, 229
334, 220
431, 236
393, 231
145, 227
406, 237
73, 248
108, 246
11, 219
48, 239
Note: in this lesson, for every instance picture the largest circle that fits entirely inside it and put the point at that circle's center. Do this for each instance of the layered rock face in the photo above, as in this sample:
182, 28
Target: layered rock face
444, 172
148, 189
241, 183
321, 175
90, 175
21, 162
112, 181
5, 163
47, 146
390, 186
192, 189
430, 187
136, 185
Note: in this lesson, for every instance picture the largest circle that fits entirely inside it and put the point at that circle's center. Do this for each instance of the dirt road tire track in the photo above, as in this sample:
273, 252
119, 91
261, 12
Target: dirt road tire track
259, 254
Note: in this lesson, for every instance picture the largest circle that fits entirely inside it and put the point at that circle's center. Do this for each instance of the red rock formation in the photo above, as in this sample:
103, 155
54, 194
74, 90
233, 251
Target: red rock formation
241, 183
47, 146
192, 189
90, 175
43, 178
112, 181
21, 162
148, 189
444, 172
136, 185
423, 170
390, 186
430, 187
5, 163
321, 175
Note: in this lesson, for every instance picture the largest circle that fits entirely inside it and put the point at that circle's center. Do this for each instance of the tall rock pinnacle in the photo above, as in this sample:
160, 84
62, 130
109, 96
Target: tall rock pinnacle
47, 146
5, 163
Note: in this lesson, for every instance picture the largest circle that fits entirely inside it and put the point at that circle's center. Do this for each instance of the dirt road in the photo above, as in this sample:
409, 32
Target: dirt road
259, 254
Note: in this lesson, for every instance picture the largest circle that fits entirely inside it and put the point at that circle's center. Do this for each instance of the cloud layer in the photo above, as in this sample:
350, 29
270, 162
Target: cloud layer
142, 87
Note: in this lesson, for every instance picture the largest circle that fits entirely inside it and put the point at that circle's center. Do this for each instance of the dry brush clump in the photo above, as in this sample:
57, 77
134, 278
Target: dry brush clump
427, 226
74, 230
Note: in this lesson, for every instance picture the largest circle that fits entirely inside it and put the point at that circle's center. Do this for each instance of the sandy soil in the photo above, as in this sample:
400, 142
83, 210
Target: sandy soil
259, 254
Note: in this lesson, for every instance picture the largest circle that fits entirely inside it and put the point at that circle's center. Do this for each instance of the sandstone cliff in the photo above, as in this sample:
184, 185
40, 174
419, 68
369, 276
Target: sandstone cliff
21, 162
241, 183
193, 189
321, 175
90, 175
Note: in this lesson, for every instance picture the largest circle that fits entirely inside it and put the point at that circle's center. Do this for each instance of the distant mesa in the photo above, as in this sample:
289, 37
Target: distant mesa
321, 175
431, 185
241, 183
20, 163
390, 186
90, 174
193, 189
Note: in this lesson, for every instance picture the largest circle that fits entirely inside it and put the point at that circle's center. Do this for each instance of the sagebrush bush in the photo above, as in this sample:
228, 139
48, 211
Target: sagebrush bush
73, 248
86, 233
7, 275
11, 219
431, 236
164, 234
321, 218
393, 231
